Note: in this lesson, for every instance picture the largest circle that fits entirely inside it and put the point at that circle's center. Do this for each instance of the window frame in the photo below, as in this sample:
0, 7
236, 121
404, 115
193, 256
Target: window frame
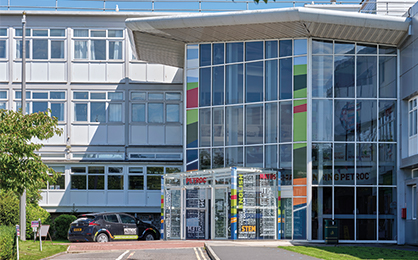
5, 39
412, 109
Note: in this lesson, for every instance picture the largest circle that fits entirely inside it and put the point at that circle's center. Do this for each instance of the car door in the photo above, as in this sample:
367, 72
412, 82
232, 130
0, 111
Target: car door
130, 230
112, 224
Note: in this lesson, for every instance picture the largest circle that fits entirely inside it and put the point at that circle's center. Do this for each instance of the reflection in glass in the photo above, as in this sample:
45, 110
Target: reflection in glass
285, 163
218, 53
344, 120
115, 182
271, 49
321, 47
299, 164
387, 213
321, 210
218, 127
366, 49
285, 121
271, 80
300, 77
344, 164
39, 107
234, 52
173, 113
322, 120
366, 161
366, 76
80, 112
271, 156
254, 124
57, 110
192, 56
344, 48
234, 156
366, 215
204, 159
138, 112
218, 85
234, 125
155, 112
218, 158
98, 50
387, 49
96, 182
253, 51
115, 112
344, 76
254, 82
322, 164
271, 123
343, 202
285, 48
204, 87
40, 49
234, 84
98, 112
205, 54
387, 77
387, 121
366, 120
254, 156
322, 76
204, 126
285, 78
78, 182
57, 49
115, 50
387, 164
136, 182
300, 47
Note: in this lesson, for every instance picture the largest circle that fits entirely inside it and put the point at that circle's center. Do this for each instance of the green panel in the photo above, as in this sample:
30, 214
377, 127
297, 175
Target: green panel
299, 126
299, 145
191, 133
301, 93
299, 161
299, 102
300, 69
125, 237
192, 85
192, 116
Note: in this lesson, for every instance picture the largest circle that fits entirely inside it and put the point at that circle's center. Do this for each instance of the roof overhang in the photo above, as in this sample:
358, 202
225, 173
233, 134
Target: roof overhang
162, 39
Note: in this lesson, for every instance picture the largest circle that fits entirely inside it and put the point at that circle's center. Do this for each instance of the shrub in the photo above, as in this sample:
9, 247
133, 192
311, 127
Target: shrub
7, 242
9, 208
62, 224
35, 212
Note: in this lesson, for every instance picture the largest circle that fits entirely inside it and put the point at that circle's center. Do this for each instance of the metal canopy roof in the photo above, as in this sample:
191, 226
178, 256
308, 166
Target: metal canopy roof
162, 39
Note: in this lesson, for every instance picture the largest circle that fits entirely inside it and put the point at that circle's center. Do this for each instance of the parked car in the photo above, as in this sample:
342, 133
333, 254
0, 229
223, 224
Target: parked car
104, 227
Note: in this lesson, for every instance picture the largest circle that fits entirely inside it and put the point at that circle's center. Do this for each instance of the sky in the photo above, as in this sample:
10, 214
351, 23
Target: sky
159, 5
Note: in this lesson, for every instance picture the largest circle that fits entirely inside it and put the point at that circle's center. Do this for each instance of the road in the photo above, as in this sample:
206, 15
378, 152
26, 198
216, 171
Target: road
195, 253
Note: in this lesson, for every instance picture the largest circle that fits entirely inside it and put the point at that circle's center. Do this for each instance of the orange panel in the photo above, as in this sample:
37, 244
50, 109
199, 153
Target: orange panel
299, 181
298, 201
299, 191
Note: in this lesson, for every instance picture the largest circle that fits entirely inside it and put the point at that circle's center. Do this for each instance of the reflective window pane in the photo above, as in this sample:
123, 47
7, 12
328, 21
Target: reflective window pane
57, 49
271, 80
321, 47
97, 112
271, 155
138, 112
98, 33
253, 51
300, 73
98, 49
271, 49
204, 126
285, 122
366, 164
344, 48
80, 50
57, 95
80, 112
387, 77
96, 182
366, 216
39, 107
217, 158
115, 112
81, 33
204, 159
271, 123
254, 124
285, 163
366, 77
115, 182
234, 84
115, 95
387, 121
344, 120
234, 156
234, 52
218, 53
387, 49
3, 94
3, 32
344, 164
321, 209
234, 125
205, 54
344, 76
285, 48
301, 47
80, 95
254, 156
218, 76
387, 213
285, 79
173, 113
40, 95
19, 48
115, 50
172, 96
2, 49
322, 164
366, 49
153, 183
254, 82
40, 32
18, 32
136, 182
57, 32
155, 96
57, 110
366, 120
78, 182
204, 87
218, 127
322, 76
155, 113
322, 120
387, 164
115, 33
40, 49
299, 164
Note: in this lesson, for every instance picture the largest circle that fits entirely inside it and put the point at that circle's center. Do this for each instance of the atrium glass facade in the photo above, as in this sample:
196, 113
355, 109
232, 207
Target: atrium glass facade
322, 111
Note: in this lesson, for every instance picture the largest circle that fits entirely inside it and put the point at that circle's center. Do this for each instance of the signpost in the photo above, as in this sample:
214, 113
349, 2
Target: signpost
17, 240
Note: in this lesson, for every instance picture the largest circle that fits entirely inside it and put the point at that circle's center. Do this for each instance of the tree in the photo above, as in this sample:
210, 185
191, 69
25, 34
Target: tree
20, 167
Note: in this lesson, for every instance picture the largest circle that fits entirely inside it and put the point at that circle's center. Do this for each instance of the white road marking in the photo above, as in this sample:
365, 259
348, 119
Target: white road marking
122, 255
201, 252
197, 254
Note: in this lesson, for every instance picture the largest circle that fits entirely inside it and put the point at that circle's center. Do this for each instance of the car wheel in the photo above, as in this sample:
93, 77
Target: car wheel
102, 238
149, 236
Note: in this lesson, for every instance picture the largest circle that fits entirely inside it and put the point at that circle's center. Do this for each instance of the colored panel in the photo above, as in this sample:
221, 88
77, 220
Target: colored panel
192, 116
162, 208
299, 164
192, 98
192, 128
300, 69
299, 220
299, 120
299, 202
300, 181
192, 162
300, 77
192, 85
234, 232
299, 190
279, 205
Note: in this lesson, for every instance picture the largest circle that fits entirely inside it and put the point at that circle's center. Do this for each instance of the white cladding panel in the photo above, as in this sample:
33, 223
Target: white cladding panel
96, 198
136, 198
57, 71
55, 197
80, 72
138, 134
173, 74
97, 72
115, 198
155, 73
156, 135
39, 71
116, 134
4, 67
174, 135
115, 72
138, 71
97, 134
79, 198
413, 145
153, 198
79, 134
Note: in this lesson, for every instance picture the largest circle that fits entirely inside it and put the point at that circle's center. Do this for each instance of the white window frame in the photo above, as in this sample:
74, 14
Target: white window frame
106, 38
412, 108
6, 40
49, 38
5, 100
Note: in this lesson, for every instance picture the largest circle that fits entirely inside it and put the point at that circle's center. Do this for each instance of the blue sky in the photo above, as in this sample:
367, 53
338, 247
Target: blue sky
159, 5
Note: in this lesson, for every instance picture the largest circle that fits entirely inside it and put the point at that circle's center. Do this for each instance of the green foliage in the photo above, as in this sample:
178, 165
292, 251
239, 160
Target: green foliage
7, 242
9, 208
62, 224
35, 212
29, 250
20, 167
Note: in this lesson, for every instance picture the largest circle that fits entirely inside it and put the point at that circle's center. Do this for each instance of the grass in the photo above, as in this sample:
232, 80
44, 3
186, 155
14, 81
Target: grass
352, 252
29, 250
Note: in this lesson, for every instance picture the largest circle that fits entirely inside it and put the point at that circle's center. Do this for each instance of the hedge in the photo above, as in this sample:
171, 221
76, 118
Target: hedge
8, 247
62, 224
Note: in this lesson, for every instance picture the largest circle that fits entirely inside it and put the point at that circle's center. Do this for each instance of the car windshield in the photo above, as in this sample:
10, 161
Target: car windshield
87, 219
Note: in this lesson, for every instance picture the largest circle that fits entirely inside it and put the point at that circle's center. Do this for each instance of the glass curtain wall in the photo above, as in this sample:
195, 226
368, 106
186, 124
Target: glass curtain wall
248, 103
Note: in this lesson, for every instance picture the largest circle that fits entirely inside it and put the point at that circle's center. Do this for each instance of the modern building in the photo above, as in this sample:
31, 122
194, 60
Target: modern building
326, 97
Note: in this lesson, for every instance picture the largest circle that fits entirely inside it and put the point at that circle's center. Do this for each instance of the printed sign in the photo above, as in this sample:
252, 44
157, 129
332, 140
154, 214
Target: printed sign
34, 224
129, 231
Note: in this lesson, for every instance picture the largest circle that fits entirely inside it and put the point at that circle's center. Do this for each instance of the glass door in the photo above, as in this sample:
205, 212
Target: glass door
196, 201
220, 213
173, 214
